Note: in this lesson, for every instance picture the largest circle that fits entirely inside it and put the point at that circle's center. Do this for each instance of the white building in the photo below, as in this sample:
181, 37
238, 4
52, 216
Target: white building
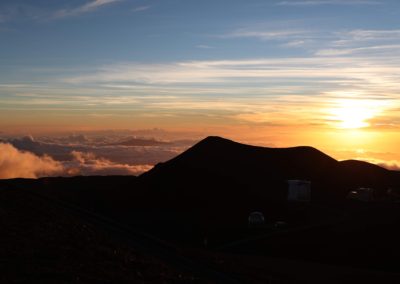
299, 190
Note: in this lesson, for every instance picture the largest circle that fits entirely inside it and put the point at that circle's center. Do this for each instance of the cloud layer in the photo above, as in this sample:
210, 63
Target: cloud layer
15, 163
88, 164
103, 153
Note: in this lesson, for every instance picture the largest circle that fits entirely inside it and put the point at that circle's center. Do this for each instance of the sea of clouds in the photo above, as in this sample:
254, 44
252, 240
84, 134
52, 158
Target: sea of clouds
88, 153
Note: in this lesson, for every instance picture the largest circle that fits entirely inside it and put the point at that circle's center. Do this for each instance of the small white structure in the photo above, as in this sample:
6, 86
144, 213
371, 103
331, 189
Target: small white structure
299, 190
256, 219
362, 194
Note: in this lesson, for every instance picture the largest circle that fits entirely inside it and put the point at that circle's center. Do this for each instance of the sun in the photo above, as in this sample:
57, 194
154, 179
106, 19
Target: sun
352, 113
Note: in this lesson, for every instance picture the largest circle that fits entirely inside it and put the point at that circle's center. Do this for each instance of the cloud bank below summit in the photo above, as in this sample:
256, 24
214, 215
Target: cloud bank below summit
15, 163
113, 153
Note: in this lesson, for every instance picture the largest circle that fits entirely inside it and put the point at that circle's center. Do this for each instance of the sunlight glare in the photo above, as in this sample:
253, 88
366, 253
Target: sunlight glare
354, 114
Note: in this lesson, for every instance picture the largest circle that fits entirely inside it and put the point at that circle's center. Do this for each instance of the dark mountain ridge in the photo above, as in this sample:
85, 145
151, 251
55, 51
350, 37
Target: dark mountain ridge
264, 171
245, 163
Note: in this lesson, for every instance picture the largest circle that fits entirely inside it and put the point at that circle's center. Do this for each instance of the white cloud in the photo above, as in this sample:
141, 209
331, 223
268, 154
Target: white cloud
253, 71
327, 2
141, 8
102, 152
96, 4
266, 34
294, 43
15, 163
365, 38
86, 163
204, 46
347, 51
366, 42
363, 35
88, 7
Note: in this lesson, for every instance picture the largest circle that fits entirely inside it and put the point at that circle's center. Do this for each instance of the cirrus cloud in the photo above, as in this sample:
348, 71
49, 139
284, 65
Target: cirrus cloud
88, 7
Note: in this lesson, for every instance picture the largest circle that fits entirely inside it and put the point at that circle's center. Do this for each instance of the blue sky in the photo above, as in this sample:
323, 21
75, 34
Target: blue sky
199, 64
71, 33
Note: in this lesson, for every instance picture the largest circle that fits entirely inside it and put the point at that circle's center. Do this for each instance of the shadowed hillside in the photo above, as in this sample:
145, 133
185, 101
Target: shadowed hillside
220, 165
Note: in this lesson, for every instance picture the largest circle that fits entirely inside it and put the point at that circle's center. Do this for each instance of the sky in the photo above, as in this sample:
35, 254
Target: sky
324, 73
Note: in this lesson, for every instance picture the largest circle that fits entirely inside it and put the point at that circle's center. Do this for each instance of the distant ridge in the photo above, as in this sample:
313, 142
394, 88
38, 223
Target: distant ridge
139, 142
216, 164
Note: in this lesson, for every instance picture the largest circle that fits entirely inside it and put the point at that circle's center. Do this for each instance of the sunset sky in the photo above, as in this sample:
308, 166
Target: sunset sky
324, 73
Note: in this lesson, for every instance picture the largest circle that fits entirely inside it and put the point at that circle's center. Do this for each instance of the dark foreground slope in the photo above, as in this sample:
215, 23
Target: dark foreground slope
43, 243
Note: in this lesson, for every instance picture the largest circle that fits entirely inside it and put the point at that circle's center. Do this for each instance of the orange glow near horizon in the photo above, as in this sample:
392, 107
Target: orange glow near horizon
338, 123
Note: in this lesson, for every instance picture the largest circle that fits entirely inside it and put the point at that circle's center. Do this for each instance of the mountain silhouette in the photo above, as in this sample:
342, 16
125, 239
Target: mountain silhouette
249, 164
218, 181
217, 164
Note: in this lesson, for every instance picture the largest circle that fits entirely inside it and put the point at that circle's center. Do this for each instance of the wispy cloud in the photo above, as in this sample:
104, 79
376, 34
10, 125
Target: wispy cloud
141, 8
245, 73
363, 37
34, 12
294, 43
327, 2
374, 34
204, 46
289, 33
86, 8
266, 33
361, 42
349, 51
